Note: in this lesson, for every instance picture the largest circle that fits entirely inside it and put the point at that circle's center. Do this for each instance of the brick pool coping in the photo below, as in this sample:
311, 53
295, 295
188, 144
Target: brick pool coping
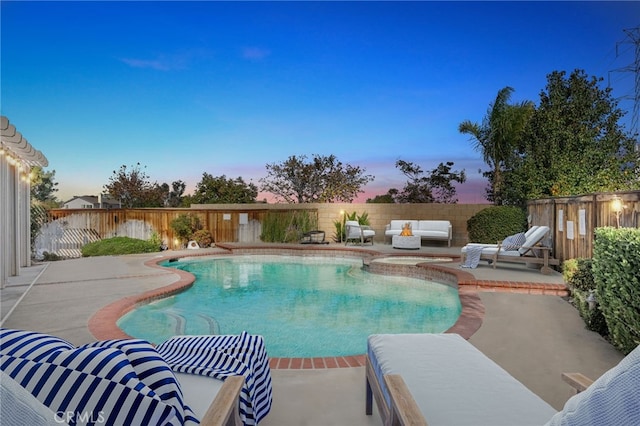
103, 324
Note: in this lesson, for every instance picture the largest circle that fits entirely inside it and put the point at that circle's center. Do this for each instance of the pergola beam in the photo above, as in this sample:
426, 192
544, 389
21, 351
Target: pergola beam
17, 156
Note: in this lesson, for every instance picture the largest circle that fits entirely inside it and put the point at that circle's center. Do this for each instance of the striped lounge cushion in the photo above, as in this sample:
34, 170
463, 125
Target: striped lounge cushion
129, 382
100, 383
223, 356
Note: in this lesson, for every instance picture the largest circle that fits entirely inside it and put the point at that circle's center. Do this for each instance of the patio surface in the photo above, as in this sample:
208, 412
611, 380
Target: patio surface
534, 337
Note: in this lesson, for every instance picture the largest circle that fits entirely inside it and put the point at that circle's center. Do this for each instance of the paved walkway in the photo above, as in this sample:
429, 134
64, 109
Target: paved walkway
534, 337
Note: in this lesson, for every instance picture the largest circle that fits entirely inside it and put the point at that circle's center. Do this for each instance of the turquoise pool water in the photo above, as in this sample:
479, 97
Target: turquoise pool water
304, 307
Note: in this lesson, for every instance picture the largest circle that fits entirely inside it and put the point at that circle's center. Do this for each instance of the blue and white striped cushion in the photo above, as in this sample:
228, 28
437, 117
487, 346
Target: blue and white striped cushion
31, 345
97, 382
152, 370
223, 356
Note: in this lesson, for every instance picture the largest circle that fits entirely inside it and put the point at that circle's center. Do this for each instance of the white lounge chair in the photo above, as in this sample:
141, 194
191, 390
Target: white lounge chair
356, 232
447, 381
529, 252
217, 380
444, 380
526, 234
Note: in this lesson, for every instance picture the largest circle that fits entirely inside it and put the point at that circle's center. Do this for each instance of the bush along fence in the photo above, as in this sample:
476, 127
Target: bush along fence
616, 272
578, 276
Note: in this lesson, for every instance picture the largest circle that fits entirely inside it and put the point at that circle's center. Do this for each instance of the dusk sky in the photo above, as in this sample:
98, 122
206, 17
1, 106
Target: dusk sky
224, 88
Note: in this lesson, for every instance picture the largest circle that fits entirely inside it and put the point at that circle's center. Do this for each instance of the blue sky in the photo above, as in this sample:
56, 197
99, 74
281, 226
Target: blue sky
225, 87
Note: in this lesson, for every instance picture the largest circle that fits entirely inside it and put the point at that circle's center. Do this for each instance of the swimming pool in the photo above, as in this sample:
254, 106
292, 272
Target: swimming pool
303, 306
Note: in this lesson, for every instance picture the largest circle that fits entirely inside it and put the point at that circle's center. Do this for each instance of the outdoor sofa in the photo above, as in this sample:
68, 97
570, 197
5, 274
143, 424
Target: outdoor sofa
426, 229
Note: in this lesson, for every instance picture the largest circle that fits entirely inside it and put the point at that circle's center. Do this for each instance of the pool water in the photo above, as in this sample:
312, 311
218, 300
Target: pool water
303, 307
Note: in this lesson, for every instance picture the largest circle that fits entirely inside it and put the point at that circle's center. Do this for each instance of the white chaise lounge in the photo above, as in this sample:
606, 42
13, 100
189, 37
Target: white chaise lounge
451, 381
441, 379
530, 251
527, 233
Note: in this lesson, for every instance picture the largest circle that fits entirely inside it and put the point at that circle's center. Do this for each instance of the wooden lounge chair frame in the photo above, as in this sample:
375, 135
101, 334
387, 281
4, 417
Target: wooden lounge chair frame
538, 255
223, 411
578, 381
404, 410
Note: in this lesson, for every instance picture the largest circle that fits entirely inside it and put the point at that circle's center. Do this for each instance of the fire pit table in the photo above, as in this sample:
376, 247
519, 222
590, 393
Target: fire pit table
409, 242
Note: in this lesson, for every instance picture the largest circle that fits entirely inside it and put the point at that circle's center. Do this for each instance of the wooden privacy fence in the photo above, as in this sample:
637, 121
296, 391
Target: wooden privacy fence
573, 219
226, 225
239, 222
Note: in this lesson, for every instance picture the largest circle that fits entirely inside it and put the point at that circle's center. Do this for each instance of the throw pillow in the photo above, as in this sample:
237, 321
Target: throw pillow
513, 242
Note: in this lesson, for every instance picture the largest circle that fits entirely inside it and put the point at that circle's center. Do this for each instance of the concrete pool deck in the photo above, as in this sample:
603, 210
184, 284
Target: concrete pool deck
534, 337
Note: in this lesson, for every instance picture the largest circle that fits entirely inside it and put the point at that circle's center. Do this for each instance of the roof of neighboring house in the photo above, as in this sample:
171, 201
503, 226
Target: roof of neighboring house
17, 146
88, 198
93, 199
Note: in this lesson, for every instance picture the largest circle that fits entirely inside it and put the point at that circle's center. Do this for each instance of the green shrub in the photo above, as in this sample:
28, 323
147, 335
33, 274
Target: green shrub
340, 231
616, 262
569, 268
155, 239
118, 245
203, 238
184, 226
287, 226
578, 275
495, 223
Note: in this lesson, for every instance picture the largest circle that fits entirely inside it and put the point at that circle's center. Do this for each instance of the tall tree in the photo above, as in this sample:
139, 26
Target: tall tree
43, 189
132, 187
175, 194
441, 182
388, 198
220, 190
435, 187
574, 143
43, 185
324, 179
498, 137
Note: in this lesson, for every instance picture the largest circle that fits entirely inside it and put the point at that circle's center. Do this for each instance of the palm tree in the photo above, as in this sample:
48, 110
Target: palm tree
498, 136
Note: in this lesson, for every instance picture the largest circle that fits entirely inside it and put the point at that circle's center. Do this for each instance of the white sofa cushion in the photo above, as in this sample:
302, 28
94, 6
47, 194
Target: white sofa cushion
435, 227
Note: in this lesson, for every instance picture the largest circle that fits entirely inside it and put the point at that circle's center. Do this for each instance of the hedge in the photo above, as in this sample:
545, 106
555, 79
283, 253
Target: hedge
578, 275
495, 223
616, 271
